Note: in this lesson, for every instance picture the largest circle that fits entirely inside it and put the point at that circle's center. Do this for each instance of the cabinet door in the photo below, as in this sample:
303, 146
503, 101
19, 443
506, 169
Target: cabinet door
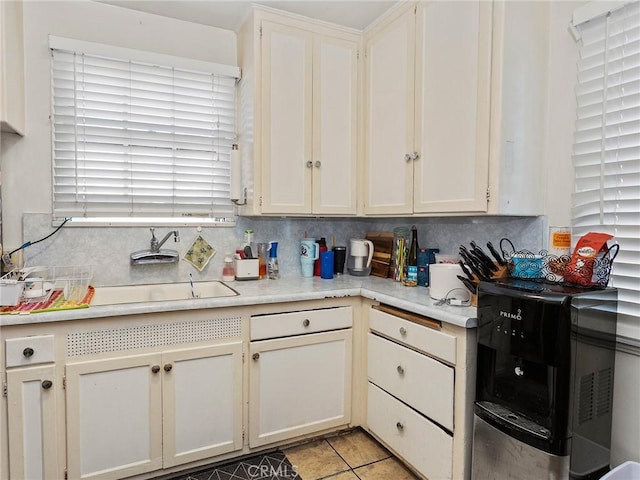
335, 80
11, 67
287, 119
452, 106
299, 385
202, 402
389, 117
32, 425
114, 417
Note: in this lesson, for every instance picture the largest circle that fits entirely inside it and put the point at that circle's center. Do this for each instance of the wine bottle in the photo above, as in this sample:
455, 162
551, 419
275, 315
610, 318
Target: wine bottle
411, 278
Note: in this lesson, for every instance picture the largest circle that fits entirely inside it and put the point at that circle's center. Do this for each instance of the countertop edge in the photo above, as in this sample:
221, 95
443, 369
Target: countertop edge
256, 293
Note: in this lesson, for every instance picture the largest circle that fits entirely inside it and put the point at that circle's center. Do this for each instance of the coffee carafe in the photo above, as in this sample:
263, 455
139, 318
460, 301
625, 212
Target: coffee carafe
360, 255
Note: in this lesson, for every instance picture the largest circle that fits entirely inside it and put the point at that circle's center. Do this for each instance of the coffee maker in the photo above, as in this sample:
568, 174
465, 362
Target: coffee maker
360, 256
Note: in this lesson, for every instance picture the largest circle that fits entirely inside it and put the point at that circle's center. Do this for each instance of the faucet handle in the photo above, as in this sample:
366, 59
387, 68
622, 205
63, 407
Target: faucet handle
154, 241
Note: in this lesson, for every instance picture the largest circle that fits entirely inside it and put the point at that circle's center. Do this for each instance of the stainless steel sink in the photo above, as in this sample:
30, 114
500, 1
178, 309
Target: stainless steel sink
160, 292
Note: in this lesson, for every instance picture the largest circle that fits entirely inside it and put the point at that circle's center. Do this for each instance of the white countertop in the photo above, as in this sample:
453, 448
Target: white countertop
293, 289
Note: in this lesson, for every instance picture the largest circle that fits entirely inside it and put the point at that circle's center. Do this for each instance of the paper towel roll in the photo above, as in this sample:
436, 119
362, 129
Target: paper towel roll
443, 282
236, 175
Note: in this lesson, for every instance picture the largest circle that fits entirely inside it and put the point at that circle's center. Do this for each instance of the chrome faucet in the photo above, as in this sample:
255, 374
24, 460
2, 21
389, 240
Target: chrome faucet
155, 245
154, 254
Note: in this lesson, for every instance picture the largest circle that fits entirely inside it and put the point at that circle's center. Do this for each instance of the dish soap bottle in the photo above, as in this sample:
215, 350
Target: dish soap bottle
272, 264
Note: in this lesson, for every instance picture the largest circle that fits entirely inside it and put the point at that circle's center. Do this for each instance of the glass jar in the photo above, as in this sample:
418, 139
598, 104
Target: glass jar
400, 251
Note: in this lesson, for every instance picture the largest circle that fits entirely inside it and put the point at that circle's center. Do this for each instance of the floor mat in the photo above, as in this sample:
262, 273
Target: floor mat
269, 466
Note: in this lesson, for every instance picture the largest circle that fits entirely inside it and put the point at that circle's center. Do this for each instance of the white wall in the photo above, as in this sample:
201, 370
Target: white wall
26, 161
561, 108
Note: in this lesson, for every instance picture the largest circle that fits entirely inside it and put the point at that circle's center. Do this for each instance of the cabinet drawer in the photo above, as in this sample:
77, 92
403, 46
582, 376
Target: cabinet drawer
420, 381
414, 438
422, 338
29, 350
299, 323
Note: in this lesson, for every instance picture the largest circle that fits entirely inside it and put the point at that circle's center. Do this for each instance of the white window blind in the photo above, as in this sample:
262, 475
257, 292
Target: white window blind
139, 139
607, 144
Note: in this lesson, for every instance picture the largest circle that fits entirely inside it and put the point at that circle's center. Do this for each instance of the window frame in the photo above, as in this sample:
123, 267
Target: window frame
226, 215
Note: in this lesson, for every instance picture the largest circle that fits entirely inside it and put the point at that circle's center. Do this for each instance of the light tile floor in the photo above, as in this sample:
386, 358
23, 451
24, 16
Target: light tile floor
353, 455
350, 456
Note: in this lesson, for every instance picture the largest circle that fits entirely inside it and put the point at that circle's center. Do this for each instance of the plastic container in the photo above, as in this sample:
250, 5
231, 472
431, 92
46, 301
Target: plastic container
447, 258
625, 471
10, 292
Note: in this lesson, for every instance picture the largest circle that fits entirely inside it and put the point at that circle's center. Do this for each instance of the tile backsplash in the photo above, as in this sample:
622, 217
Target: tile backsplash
107, 249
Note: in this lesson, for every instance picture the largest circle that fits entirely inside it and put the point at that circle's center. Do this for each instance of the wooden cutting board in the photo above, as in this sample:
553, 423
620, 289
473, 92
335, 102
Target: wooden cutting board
382, 248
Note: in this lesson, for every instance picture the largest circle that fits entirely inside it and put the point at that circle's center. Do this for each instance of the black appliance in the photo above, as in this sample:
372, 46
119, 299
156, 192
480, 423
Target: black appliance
544, 382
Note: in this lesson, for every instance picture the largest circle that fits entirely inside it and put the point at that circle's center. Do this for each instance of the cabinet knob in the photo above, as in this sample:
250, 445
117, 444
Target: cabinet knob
47, 384
155, 368
415, 156
318, 164
306, 322
403, 331
309, 164
400, 426
255, 356
400, 369
168, 367
407, 157
28, 352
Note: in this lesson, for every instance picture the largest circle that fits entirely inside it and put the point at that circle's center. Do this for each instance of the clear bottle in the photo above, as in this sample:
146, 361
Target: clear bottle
272, 265
411, 278
228, 269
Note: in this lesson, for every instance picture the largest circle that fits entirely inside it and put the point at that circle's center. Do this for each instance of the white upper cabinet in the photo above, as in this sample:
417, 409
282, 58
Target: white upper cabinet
389, 119
298, 110
11, 67
453, 52
427, 110
519, 108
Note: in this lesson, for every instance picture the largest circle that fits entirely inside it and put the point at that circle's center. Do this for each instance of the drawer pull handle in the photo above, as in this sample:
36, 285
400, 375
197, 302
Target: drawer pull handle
28, 352
47, 384
168, 367
155, 368
400, 369
403, 331
255, 356
400, 426
306, 322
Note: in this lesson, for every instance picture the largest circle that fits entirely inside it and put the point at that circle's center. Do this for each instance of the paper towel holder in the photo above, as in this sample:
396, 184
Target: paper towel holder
238, 193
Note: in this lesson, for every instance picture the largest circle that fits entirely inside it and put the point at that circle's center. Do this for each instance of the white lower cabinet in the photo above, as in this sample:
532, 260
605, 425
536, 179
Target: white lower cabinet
139, 413
419, 395
32, 424
420, 442
300, 384
414, 378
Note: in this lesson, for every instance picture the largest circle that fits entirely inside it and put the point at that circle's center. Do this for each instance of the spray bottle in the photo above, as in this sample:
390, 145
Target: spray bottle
272, 264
